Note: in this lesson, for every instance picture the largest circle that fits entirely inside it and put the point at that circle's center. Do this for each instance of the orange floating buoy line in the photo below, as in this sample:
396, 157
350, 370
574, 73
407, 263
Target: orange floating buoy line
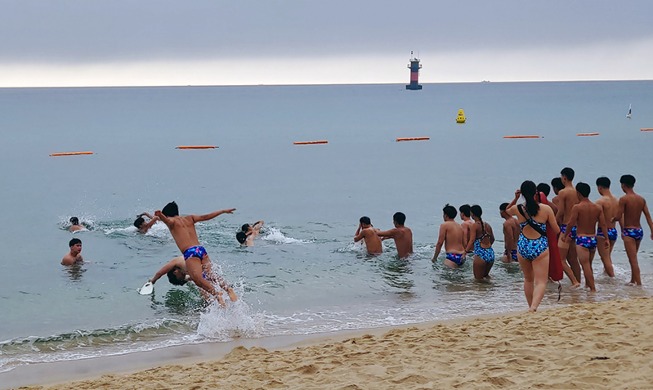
59, 154
586, 134
321, 141
521, 136
196, 147
401, 139
646, 129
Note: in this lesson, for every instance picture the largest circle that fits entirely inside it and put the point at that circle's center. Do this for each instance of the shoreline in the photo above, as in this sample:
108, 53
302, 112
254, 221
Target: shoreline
600, 345
124, 364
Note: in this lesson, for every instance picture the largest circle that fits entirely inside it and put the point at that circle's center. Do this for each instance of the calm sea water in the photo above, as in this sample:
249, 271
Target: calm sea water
304, 275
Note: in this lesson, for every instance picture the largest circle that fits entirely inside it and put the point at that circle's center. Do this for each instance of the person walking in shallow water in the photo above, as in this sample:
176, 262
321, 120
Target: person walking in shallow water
451, 235
368, 234
533, 245
401, 234
481, 239
631, 208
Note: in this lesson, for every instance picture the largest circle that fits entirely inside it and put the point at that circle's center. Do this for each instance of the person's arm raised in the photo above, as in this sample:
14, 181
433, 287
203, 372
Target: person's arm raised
206, 217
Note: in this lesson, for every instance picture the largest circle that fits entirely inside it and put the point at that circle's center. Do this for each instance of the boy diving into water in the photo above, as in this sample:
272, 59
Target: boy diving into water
198, 264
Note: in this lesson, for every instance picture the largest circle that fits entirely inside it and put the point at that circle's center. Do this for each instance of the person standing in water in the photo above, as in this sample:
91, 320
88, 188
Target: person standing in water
566, 199
451, 235
368, 234
631, 208
584, 217
510, 235
481, 239
610, 205
401, 234
533, 245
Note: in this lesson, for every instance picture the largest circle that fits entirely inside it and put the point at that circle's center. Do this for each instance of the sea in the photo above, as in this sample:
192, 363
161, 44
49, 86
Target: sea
304, 275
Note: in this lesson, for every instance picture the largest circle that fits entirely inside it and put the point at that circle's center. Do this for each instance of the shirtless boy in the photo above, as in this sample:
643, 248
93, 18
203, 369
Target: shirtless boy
610, 206
584, 216
142, 225
75, 254
368, 234
451, 235
198, 264
566, 199
75, 225
511, 232
248, 232
467, 222
402, 235
631, 207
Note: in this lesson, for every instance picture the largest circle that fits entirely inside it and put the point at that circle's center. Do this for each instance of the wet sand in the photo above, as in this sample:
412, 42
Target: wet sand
606, 345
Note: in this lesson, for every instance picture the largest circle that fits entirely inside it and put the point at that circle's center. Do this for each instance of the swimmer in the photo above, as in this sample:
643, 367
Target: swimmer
510, 235
610, 205
631, 207
401, 234
481, 239
566, 199
584, 216
451, 235
74, 256
533, 245
75, 226
142, 225
198, 263
248, 232
368, 234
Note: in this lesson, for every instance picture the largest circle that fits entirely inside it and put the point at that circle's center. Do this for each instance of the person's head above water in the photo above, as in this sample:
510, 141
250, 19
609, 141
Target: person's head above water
171, 210
544, 188
583, 189
74, 220
245, 228
139, 221
465, 210
241, 237
365, 221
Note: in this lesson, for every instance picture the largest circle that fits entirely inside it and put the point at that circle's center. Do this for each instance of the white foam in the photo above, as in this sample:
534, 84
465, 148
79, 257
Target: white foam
275, 235
224, 324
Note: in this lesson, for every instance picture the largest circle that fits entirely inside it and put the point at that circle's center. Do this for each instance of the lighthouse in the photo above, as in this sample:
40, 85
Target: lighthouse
414, 67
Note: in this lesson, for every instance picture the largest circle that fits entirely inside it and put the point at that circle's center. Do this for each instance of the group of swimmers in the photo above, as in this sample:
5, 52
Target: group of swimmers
576, 225
579, 228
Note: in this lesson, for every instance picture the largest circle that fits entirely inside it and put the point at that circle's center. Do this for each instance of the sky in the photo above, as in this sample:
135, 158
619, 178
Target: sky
47, 43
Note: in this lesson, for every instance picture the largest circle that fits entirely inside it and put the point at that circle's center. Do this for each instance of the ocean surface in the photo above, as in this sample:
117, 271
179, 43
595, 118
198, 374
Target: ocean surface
304, 275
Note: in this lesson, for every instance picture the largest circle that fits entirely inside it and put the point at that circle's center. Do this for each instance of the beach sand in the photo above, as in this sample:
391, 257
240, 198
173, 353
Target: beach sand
606, 345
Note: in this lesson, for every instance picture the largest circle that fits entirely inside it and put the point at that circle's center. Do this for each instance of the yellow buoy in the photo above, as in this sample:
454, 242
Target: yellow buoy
461, 116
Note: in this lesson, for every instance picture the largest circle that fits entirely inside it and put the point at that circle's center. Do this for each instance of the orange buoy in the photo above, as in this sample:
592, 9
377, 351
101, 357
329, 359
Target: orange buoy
196, 147
401, 139
322, 141
646, 129
586, 134
58, 154
521, 136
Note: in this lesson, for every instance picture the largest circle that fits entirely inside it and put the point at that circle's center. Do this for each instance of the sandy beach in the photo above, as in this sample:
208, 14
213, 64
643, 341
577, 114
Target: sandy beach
606, 345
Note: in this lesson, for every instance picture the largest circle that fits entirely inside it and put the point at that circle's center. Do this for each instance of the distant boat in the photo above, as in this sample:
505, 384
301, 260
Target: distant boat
461, 116
630, 111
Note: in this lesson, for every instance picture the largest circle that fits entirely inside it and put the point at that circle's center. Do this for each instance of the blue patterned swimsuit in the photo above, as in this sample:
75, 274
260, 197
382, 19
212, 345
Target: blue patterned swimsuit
529, 248
486, 254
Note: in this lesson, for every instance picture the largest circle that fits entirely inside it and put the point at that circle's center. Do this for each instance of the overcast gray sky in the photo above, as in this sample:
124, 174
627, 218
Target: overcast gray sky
148, 42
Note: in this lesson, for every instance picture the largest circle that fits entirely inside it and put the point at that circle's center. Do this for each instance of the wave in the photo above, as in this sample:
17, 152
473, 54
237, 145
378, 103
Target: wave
276, 236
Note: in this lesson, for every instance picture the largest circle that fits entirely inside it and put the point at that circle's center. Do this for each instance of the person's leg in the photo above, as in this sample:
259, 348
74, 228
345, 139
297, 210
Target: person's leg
605, 254
215, 278
563, 247
540, 268
195, 270
631, 245
479, 268
527, 270
572, 258
584, 257
488, 267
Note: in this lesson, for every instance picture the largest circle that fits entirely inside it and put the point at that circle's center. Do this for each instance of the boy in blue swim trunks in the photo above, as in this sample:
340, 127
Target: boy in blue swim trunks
198, 264
566, 199
610, 206
631, 207
451, 235
584, 216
